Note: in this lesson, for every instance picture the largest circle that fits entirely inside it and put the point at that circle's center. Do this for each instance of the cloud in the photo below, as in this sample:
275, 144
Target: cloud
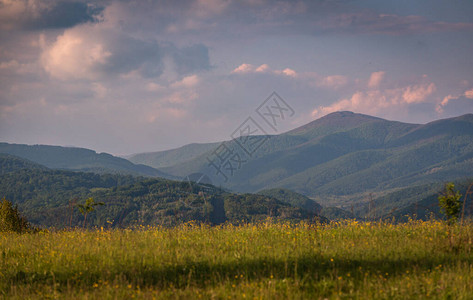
375, 79
76, 55
191, 59
206, 8
380, 101
330, 82
469, 94
446, 100
88, 52
187, 82
154, 87
100, 91
333, 81
244, 68
35, 14
417, 93
288, 72
368, 22
264, 68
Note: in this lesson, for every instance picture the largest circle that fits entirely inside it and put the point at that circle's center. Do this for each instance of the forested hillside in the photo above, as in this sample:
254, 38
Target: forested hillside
344, 157
50, 198
78, 159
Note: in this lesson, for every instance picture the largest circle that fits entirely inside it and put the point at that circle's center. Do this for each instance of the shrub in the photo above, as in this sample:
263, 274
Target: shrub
449, 201
10, 219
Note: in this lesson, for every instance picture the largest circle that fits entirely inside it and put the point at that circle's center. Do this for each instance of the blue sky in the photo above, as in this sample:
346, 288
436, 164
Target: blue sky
126, 77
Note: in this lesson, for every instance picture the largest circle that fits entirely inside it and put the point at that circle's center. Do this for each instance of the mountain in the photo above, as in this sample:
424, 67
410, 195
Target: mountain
351, 164
293, 198
343, 159
168, 158
49, 198
171, 157
78, 159
11, 163
426, 204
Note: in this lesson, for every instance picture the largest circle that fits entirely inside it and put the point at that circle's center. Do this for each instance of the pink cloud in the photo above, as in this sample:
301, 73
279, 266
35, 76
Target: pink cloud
441, 105
287, 72
187, 82
375, 79
263, 68
376, 101
332, 81
469, 94
75, 54
244, 68
418, 93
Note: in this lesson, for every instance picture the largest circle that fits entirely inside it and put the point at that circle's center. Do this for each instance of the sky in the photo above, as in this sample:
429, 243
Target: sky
127, 77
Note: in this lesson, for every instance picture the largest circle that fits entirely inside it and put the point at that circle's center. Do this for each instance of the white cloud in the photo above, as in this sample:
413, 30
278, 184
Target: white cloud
75, 55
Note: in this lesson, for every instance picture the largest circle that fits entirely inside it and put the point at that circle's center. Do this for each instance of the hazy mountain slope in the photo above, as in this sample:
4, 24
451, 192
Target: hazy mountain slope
171, 157
285, 155
10, 163
331, 123
343, 154
309, 181
78, 159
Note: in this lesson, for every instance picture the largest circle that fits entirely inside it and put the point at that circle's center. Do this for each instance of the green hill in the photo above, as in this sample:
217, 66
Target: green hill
424, 204
48, 198
350, 162
344, 156
168, 158
11, 163
293, 198
78, 159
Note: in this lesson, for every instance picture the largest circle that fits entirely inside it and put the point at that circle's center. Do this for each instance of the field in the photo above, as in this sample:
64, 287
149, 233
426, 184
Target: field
255, 261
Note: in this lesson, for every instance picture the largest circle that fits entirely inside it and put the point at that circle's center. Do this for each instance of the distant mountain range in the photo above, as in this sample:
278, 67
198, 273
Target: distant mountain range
346, 158
78, 159
366, 165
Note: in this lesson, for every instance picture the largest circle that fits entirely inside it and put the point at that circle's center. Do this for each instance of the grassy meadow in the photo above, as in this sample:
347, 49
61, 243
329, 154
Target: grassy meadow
255, 261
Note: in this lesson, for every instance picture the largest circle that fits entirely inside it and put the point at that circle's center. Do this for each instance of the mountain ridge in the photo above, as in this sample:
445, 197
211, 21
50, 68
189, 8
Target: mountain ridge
365, 154
78, 159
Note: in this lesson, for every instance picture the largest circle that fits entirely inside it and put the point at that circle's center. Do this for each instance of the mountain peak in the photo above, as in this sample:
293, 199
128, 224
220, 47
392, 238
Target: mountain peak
335, 121
348, 114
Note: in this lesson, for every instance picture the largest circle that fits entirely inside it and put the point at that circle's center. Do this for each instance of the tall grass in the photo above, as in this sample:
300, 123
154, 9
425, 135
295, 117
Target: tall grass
267, 260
